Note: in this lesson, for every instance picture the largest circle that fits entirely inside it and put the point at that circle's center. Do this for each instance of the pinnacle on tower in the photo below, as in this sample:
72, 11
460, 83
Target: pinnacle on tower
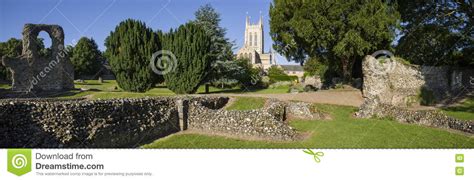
247, 19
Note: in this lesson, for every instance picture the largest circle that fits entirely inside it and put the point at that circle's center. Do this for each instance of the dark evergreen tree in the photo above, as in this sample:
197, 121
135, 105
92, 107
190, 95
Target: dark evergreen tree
86, 58
209, 19
437, 32
129, 50
191, 45
335, 32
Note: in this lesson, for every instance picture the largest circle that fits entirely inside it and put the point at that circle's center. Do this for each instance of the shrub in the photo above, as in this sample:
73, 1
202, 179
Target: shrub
296, 88
129, 50
253, 77
426, 97
280, 78
280, 84
276, 71
191, 46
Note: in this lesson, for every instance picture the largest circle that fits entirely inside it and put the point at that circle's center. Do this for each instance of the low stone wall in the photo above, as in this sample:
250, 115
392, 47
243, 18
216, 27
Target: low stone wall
305, 111
268, 122
42, 123
431, 118
104, 123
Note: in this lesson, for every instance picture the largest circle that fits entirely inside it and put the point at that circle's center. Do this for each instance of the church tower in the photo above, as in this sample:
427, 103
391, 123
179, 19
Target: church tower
254, 35
253, 48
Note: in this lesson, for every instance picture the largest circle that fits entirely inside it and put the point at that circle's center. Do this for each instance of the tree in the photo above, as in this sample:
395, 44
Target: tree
252, 76
129, 50
207, 17
335, 32
221, 48
437, 32
227, 74
11, 48
190, 44
87, 58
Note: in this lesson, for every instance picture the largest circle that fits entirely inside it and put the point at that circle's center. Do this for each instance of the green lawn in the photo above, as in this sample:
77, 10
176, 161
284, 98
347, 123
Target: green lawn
344, 131
247, 103
109, 90
4, 86
464, 111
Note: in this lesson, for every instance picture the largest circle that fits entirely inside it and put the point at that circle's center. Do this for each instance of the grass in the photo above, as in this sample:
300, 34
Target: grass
464, 111
109, 90
344, 131
246, 103
276, 90
5, 86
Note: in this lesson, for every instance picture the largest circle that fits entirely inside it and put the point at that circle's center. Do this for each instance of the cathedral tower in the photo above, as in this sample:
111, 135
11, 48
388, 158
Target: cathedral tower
253, 48
254, 35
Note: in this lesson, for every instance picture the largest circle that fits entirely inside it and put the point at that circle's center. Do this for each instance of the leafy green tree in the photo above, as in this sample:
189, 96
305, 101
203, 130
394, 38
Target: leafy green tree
11, 48
191, 45
8, 49
87, 58
335, 32
252, 76
437, 32
227, 74
129, 50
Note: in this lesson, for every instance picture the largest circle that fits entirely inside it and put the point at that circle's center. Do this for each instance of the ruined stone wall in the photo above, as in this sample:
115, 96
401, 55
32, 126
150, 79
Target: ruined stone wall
399, 84
40, 123
32, 72
268, 122
390, 86
424, 117
103, 123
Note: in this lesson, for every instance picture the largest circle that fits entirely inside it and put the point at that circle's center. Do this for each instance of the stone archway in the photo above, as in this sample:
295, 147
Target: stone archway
30, 72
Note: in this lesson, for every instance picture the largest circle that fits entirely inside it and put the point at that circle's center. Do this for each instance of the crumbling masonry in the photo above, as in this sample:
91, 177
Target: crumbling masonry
31, 72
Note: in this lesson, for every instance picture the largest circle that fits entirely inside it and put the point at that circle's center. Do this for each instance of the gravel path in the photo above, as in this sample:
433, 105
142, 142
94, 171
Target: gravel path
338, 97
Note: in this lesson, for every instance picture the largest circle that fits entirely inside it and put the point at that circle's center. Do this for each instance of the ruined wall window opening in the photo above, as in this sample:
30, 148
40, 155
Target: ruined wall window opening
44, 45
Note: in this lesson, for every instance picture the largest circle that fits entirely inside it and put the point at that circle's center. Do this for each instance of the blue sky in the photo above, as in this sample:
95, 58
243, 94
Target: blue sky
96, 18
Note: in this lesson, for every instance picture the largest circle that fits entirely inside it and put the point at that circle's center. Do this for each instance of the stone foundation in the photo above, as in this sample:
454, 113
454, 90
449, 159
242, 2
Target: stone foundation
267, 123
421, 117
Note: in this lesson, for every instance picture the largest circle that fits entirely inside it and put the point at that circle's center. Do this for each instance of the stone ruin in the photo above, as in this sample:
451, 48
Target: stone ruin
395, 83
31, 72
391, 86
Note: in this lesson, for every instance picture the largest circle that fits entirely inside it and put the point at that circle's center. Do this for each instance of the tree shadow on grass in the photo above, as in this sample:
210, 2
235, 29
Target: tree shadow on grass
465, 106
234, 91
